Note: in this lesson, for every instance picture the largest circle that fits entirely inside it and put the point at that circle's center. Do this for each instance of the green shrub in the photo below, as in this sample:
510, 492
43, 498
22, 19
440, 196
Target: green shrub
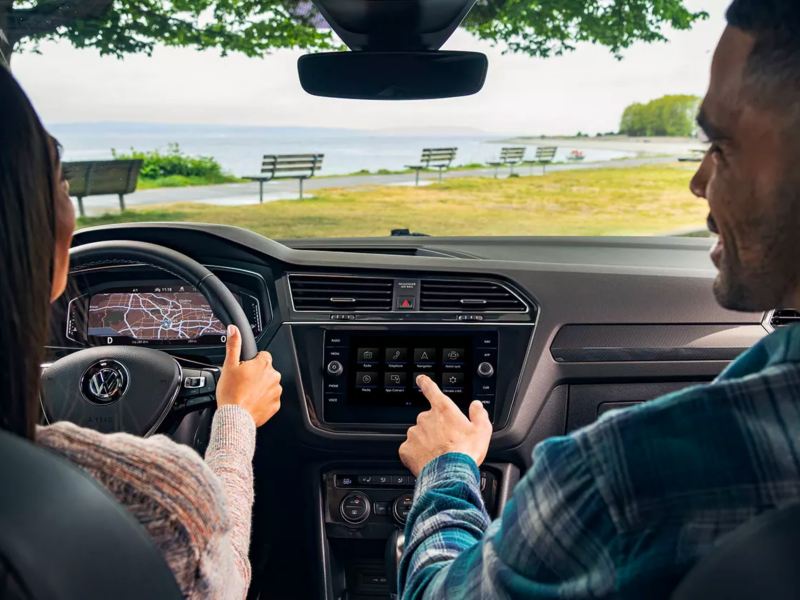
174, 163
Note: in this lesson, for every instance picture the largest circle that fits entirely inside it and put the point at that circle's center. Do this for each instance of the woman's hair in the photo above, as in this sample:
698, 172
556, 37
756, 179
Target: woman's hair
28, 162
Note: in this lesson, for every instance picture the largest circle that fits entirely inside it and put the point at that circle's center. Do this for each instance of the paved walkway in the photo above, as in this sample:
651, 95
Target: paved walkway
232, 194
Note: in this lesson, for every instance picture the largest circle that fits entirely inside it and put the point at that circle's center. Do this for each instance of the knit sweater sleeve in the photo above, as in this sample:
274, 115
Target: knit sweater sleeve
197, 512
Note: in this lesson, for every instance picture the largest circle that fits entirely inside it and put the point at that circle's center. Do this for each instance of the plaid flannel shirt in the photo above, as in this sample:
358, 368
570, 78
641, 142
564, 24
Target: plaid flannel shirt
622, 508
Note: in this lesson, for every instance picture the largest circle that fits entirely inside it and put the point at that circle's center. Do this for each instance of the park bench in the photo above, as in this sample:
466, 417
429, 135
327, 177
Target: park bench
287, 166
100, 177
434, 158
509, 156
544, 156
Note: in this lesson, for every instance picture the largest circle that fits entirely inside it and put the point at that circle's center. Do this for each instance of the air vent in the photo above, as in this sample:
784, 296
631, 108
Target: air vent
457, 295
341, 293
784, 317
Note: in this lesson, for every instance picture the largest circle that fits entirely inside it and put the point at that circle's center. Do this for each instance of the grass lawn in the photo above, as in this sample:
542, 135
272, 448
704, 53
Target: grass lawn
631, 201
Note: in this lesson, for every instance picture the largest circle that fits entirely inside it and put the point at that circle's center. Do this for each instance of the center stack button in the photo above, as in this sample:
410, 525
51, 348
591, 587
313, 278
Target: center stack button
402, 507
355, 508
335, 368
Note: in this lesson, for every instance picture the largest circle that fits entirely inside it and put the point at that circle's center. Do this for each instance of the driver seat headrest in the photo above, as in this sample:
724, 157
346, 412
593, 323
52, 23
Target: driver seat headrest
63, 536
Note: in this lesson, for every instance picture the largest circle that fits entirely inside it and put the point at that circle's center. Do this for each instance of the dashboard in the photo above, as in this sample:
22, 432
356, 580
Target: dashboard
549, 333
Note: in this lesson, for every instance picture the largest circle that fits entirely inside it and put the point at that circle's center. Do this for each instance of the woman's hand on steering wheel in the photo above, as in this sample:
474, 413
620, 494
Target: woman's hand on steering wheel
253, 384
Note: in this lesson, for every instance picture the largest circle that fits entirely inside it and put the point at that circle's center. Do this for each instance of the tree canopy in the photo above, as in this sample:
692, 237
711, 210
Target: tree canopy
666, 116
254, 27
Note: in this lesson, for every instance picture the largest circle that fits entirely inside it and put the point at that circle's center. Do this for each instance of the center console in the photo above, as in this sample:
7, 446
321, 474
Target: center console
358, 371
364, 506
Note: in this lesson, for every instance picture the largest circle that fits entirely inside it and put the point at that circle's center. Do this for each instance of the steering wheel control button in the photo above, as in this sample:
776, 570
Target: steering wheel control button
335, 368
105, 381
195, 382
402, 507
355, 508
485, 370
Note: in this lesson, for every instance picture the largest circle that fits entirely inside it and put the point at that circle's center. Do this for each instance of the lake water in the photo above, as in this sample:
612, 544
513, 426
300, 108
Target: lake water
239, 149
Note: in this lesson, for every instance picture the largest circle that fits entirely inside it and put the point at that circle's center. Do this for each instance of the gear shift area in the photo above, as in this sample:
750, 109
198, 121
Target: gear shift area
394, 551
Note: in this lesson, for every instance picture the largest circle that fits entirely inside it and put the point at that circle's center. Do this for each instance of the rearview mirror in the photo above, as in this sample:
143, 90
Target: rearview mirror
393, 75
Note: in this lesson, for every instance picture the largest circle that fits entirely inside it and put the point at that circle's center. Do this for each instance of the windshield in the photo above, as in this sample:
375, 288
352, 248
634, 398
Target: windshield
585, 125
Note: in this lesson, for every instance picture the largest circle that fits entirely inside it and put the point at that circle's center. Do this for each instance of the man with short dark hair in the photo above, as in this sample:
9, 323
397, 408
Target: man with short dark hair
626, 507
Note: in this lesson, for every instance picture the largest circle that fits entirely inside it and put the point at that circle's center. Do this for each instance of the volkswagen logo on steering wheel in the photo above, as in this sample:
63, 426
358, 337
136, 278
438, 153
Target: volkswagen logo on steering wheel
105, 381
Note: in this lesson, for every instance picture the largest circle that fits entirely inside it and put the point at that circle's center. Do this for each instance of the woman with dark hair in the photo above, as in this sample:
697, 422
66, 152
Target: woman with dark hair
198, 512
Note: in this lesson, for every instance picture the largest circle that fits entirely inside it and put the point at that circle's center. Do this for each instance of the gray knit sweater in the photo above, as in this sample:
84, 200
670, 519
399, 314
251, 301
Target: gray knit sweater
198, 512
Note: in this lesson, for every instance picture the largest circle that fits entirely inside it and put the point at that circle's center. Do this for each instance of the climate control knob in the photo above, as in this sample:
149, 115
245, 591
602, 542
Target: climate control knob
485, 369
401, 507
355, 508
335, 368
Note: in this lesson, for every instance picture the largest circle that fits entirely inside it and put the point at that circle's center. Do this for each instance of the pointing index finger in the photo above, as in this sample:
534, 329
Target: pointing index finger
431, 391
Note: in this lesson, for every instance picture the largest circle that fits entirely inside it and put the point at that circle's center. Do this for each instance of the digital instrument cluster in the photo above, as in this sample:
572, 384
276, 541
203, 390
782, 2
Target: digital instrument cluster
153, 313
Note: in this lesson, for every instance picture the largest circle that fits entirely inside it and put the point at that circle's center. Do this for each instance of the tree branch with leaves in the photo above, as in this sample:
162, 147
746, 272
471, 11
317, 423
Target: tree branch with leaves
119, 27
254, 27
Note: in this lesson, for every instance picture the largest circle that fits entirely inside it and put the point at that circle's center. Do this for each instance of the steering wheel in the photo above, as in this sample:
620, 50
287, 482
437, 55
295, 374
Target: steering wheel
133, 389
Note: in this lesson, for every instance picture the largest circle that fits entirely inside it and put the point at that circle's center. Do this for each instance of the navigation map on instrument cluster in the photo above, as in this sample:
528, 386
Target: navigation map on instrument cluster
157, 315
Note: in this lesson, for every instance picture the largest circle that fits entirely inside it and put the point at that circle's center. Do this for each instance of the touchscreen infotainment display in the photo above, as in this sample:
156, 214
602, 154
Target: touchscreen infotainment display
371, 377
386, 370
178, 314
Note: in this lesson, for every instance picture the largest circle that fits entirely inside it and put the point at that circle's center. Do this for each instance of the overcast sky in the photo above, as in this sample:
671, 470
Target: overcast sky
586, 90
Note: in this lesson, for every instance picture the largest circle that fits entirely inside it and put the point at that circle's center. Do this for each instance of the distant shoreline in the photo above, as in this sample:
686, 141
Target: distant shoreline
642, 147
